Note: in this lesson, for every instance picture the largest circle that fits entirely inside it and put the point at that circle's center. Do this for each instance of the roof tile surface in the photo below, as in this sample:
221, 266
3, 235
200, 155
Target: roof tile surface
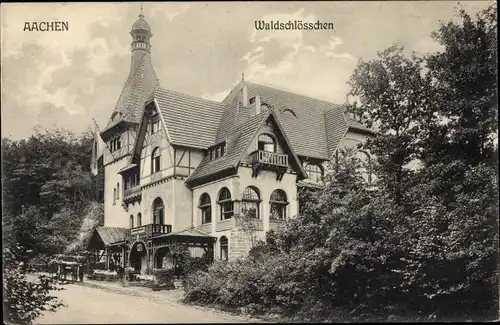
111, 235
140, 83
190, 121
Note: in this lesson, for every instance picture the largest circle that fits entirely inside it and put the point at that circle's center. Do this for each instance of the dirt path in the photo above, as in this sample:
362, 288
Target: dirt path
88, 305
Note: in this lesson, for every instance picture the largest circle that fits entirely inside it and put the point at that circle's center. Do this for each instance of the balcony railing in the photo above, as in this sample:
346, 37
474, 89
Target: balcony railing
150, 230
132, 191
269, 158
131, 194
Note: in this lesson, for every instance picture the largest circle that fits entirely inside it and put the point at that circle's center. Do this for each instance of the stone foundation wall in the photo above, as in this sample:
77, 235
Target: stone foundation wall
240, 242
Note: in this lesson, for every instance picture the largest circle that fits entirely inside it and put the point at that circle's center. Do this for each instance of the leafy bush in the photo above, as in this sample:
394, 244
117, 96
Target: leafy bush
25, 300
164, 277
188, 264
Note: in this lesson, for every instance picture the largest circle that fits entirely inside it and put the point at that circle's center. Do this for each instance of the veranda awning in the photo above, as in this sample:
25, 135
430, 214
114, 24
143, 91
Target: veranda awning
107, 236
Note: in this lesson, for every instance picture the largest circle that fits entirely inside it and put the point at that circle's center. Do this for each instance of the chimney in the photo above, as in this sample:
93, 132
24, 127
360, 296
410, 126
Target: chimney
244, 96
254, 105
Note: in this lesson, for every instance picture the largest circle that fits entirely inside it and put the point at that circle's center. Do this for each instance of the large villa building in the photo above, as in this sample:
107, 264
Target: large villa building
183, 169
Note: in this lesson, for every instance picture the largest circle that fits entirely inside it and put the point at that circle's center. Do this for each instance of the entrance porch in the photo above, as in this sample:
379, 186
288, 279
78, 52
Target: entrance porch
156, 251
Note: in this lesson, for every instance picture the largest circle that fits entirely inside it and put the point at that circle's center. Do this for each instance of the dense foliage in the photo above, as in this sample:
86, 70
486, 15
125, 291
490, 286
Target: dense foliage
23, 299
186, 263
48, 190
50, 201
424, 244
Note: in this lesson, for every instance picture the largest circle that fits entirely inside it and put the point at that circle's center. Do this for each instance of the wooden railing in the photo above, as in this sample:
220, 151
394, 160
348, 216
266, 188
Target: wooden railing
269, 158
150, 230
160, 229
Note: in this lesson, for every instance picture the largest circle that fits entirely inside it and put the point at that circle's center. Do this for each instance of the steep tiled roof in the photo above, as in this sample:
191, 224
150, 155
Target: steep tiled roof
140, 83
304, 119
235, 145
307, 131
190, 121
336, 126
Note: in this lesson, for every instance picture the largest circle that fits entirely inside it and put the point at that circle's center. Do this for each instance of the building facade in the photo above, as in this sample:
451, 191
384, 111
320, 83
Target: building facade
182, 169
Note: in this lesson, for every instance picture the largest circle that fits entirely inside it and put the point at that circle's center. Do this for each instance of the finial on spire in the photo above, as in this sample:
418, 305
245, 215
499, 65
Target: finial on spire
242, 76
142, 13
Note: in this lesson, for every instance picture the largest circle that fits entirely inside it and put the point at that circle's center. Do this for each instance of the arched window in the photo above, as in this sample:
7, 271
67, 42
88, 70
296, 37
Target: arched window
365, 166
158, 212
131, 221
250, 202
155, 160
314, 172
278, 205
206, 208
139, 219
266, 143
117, 191
224, 248
114, 195
226, 205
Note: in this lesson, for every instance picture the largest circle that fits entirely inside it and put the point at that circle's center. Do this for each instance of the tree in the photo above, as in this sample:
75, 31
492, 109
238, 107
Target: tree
456, 214
464, 78
447, 210
25, 300
393, 96
47, 188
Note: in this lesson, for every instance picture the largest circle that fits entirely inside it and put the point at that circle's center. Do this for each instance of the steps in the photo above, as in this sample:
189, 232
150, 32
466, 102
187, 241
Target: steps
178, 284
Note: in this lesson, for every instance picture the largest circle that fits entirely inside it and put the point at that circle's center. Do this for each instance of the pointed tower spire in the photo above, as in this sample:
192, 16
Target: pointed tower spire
141, 14
142, 78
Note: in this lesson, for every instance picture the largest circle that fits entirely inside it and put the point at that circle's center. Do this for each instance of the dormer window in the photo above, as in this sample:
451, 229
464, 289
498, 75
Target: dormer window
217, 151
252, 100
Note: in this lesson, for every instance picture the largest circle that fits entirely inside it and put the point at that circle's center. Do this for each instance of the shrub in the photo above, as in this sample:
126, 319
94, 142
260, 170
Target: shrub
24, 300
164, 276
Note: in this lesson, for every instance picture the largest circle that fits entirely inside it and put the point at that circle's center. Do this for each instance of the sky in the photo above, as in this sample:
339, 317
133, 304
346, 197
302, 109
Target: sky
64, 79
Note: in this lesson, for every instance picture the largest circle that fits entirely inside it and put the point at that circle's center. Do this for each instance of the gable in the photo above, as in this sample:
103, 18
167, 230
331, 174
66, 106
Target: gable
236, 144
146, 141
272, 127
268, 128
242, 142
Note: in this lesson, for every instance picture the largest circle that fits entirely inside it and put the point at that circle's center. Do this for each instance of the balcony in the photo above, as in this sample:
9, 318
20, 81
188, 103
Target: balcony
148, 231
269, 160
132, 194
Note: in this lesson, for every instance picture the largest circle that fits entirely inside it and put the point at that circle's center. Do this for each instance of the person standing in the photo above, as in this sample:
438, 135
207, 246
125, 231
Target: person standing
80, 273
